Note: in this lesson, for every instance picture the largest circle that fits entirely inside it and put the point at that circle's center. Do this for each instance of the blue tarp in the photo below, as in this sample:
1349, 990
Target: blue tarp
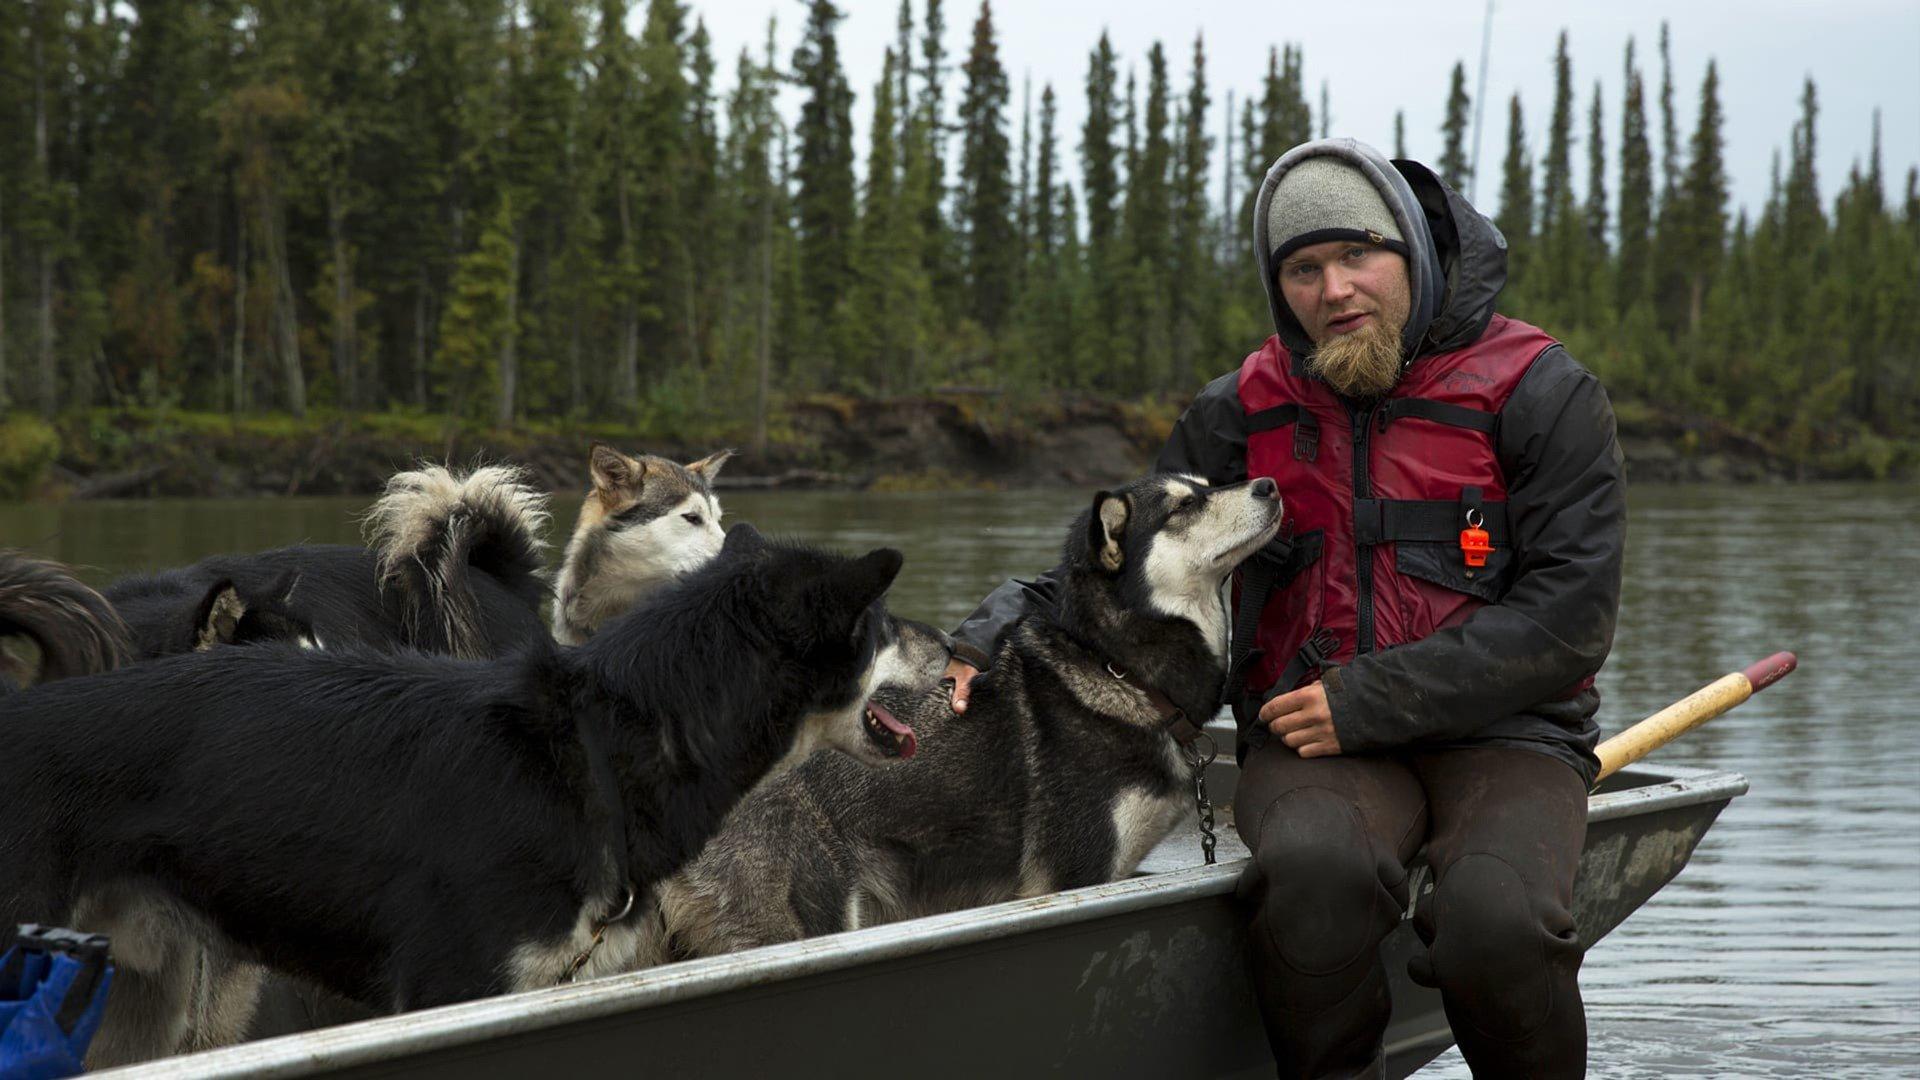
53, 993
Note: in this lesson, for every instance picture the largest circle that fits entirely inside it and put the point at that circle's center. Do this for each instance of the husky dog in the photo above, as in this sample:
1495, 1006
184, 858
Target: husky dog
453, 567
645, 521
67, 628
411, 830
1062, 773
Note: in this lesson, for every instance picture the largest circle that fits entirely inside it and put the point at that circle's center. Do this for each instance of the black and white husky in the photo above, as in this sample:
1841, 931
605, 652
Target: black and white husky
411, 830
453, 565
645, 522
1062, 773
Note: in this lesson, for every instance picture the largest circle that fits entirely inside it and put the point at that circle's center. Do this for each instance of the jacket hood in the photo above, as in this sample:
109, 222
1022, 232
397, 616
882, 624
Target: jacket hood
1456, 258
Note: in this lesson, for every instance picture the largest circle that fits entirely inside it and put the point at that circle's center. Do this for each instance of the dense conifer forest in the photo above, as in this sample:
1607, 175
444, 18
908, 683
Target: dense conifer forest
525, 212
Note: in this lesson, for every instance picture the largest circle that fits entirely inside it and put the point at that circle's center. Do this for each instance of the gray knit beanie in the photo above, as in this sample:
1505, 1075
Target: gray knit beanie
1324, 198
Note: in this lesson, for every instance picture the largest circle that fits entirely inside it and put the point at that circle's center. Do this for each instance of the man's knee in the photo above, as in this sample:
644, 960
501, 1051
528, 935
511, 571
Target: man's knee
1321, 895
1498, 948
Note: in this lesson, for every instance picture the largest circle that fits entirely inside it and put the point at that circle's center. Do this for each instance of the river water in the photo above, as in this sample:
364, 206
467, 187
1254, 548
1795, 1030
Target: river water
1789, 947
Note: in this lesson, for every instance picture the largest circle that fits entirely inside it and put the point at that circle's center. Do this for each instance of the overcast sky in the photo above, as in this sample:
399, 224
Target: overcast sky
1378, 56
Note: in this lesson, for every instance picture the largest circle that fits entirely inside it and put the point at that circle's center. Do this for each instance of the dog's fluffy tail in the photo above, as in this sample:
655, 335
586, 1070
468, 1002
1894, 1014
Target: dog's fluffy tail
75, 629
434, 526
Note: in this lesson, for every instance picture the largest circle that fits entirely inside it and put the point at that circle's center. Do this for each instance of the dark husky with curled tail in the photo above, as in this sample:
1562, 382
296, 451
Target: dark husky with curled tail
445, 544
453, 566
410, 830
73, 630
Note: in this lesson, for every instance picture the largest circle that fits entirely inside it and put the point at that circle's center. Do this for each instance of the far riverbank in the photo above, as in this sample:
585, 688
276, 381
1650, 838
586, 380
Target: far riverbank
941, 442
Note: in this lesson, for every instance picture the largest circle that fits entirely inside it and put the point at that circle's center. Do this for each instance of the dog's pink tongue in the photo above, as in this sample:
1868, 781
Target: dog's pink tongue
903, 734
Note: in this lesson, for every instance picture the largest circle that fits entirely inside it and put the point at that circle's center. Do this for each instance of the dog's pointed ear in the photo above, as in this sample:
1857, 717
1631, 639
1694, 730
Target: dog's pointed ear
872, 574
743, 540
1107, 529
613, 470
217, 619
709, 467
848, 588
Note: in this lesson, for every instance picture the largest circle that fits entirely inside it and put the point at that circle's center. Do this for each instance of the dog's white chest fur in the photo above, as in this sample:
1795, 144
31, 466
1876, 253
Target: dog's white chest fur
1141, 820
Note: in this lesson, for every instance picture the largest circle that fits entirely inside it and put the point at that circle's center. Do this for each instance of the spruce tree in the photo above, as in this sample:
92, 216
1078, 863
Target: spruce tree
699, 212
1703, 199
1454, 166
1670, 240
940, 258
824, 171
1556, 178
663, 179
478, 322
985, 202
1150, 228
1669, 128
903, 68
762, 237
886, 321
1023, 187
610, 127
1632, 283
1100, 175
344, 71
1515, 218
1296, 124
542, 170
1804, 220
1045, 187
1194, 292
1559, 267
1399, 133
1058, 273
1263, 129
1099, 152
1596, 203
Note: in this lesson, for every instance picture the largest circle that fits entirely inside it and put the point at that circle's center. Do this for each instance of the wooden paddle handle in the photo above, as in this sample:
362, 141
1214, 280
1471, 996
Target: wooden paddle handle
1690, 712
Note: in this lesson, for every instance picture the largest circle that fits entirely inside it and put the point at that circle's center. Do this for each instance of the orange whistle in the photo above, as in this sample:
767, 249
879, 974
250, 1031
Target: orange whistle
1475, 545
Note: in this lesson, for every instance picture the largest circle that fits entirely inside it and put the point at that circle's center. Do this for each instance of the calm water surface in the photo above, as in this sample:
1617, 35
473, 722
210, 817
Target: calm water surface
1789, 947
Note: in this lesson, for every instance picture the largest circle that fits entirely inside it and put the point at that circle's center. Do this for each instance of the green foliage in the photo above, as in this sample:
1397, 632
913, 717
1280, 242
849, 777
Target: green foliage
475, 325
28, 445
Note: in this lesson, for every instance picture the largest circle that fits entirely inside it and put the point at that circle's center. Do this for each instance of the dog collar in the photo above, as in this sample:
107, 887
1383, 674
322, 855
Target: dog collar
1172, 717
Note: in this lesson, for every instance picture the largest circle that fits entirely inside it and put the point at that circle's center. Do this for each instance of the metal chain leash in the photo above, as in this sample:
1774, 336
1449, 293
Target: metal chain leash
1198, 760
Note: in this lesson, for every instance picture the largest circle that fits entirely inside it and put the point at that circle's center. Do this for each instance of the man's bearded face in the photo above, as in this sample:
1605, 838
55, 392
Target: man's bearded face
1352, 299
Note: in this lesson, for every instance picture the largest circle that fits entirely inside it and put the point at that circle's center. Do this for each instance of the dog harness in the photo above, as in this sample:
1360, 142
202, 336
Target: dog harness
1396, 509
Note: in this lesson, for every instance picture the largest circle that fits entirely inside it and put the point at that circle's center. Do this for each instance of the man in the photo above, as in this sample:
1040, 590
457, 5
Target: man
1423, 673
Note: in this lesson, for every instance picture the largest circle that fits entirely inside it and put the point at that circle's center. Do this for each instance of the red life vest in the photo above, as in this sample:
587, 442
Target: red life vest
1388, 490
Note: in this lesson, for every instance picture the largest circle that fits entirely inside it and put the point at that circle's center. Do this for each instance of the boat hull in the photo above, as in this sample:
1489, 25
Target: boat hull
1138, 978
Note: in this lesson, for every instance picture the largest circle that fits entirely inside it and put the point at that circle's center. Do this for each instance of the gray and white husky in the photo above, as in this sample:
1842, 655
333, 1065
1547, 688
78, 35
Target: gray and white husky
645, 522
1062, 773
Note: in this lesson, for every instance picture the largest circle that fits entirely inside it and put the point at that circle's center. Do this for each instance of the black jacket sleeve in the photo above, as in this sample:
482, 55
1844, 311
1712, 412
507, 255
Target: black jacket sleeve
1209, 440
1566, 507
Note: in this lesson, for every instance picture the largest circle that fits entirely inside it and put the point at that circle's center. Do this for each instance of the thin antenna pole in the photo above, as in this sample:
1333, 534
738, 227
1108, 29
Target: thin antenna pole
1480, 104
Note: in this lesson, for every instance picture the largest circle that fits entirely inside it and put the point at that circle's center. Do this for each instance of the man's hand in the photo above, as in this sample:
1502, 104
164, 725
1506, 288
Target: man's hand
1302, 720
960, 674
